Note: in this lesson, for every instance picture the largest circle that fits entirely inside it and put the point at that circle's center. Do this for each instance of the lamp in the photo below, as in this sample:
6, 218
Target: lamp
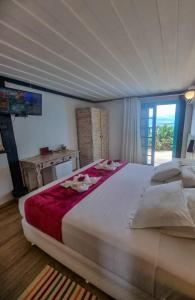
190, 94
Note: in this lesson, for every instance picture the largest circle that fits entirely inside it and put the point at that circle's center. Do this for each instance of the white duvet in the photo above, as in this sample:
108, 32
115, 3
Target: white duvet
98, 228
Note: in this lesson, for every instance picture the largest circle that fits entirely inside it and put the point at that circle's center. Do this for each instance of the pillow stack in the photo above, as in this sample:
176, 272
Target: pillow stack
172, 171
166, 172
168, 206
188, 176
163, 205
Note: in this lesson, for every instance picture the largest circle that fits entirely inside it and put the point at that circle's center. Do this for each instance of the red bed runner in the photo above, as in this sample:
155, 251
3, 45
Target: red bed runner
46, 209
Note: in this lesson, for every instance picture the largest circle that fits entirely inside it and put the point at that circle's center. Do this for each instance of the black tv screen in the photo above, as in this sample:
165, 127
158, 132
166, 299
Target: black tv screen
20, 102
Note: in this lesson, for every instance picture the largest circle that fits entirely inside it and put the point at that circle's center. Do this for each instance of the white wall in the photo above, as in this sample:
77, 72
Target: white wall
115, 110
57, 125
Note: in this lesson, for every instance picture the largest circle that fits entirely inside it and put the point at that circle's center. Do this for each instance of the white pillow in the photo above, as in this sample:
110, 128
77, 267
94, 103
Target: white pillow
180, 232
175, 178
188, 176
190, 196
184, 232
162, 206
166, 171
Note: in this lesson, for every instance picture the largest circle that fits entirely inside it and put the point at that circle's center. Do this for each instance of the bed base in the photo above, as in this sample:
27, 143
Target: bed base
110, 283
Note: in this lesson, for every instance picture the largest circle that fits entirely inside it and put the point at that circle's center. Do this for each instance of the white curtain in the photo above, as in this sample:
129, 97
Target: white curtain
131, 143
186, 129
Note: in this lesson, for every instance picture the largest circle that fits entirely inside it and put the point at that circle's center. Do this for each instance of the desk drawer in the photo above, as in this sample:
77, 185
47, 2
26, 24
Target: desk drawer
52, 163
68, 157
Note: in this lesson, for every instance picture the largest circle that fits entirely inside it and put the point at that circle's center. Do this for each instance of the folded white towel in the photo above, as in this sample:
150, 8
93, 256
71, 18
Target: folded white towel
80, 187
67, 183
94, 180
108, 165
80, 183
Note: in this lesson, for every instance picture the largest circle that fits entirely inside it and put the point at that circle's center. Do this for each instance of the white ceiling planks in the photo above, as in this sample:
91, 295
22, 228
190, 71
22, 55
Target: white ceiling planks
186, 43
56, 43
34, 79
100, 14
99, 49
24, 57
26, 39
168, 22
53, 79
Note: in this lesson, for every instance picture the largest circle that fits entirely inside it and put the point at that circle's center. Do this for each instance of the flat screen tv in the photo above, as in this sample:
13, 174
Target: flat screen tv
20, 103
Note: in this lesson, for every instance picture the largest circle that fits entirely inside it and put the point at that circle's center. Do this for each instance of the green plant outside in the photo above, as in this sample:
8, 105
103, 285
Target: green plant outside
164, 137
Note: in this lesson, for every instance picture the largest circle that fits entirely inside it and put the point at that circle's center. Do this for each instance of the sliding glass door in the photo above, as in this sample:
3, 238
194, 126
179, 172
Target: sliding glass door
161, 130
148, 130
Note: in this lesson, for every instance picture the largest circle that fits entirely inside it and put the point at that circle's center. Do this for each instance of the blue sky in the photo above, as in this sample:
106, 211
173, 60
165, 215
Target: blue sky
165, 113
166, 110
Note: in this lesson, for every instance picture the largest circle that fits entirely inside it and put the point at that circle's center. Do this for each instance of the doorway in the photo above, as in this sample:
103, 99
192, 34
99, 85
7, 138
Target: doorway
161, 131
164, 137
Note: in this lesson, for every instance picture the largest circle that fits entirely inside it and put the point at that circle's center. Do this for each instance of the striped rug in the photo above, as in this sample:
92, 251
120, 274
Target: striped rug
52, 285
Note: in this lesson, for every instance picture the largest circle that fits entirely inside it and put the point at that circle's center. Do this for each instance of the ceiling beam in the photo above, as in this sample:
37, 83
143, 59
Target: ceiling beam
42, 89
168, 94
47, 90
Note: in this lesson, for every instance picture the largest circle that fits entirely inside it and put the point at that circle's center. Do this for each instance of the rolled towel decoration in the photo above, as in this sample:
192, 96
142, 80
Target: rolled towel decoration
80, 187
67, 183
109, 165
80, 183
94, 180
87, 179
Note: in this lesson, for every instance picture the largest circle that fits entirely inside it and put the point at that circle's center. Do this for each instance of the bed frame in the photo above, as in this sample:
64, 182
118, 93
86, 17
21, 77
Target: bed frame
107, 281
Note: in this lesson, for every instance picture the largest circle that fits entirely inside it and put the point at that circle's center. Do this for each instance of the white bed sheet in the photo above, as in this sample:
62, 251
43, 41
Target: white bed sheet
98, 229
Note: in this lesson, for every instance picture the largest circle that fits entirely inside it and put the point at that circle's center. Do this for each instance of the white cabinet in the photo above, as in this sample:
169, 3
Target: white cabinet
58, 171
63, 169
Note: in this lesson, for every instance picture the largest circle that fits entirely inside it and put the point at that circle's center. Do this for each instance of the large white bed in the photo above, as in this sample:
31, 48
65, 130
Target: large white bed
99, 245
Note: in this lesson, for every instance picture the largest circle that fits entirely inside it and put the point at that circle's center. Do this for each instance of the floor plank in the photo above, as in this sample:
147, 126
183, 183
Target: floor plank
20, 262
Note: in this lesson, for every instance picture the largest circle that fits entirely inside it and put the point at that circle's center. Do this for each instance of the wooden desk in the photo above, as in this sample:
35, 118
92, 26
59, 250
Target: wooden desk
32, 167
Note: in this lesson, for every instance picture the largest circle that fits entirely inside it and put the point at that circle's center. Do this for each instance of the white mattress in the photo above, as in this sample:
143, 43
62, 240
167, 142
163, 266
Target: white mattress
98, 228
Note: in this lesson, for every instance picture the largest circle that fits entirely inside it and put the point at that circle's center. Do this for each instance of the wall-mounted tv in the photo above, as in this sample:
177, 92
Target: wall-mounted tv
20, 103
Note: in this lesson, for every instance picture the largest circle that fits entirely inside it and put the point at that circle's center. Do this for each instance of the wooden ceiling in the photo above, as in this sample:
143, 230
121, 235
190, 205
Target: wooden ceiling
99, 49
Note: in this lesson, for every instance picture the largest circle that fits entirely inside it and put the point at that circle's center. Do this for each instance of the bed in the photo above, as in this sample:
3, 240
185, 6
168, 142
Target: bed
99, 245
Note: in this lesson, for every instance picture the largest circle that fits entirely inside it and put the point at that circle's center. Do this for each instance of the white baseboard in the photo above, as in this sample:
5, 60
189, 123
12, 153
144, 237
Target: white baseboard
6, 198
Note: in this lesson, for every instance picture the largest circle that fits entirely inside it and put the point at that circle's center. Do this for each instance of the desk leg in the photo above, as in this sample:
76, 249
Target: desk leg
77, 162
39, 177
26, 178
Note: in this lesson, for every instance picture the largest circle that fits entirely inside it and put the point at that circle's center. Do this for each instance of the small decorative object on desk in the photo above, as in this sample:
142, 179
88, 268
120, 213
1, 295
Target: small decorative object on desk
61, 147
45, 151
80, 183
108, 165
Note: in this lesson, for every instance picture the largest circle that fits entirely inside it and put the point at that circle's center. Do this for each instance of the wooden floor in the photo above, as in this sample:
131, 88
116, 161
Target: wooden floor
20, 262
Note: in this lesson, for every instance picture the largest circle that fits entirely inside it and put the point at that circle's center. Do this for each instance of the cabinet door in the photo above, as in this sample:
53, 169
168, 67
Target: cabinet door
104, 134
96, 133
84, 132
